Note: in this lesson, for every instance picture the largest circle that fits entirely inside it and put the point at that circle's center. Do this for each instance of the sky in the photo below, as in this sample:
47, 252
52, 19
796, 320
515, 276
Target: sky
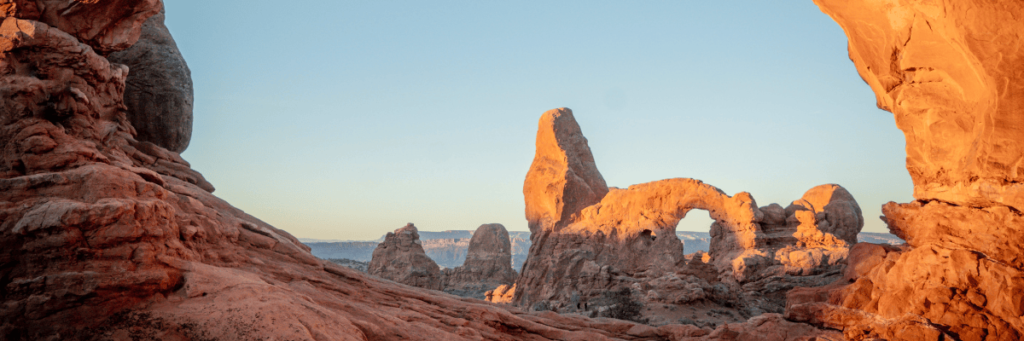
346, 120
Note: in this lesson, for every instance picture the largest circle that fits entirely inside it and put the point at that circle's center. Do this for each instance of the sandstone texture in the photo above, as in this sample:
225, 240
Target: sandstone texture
488, 264
158, 91
104, 25
588, 239
400, 258
950, 72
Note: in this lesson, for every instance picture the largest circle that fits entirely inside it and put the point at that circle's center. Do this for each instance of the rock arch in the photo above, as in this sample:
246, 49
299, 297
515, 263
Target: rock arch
588, 238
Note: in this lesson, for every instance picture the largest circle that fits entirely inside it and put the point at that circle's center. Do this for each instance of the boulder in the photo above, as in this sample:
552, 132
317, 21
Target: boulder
488, 264
400, 258
158, 91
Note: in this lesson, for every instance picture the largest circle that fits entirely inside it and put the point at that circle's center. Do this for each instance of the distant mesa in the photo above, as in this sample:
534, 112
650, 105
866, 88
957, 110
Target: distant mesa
450, 252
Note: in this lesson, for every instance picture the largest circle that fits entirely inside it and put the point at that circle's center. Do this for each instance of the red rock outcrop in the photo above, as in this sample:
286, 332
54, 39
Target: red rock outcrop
104, 237
400, 258
488, 264
104, 25
158, 91
950, 73
589, 239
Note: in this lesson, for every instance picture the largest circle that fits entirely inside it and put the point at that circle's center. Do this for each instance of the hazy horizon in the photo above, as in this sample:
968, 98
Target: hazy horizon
338, 120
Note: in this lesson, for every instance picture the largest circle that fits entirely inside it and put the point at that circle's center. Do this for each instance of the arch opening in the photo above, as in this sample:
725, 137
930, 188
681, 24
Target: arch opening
694, 231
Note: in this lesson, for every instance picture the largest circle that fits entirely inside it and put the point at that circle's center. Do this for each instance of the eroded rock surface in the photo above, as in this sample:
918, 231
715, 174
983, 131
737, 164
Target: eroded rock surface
400, 258
158, 90
488, 264
104, 25
588, 240
950, 74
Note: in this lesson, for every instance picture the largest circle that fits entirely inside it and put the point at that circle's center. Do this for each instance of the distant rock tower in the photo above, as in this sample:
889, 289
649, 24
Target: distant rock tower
488, 264
401, 258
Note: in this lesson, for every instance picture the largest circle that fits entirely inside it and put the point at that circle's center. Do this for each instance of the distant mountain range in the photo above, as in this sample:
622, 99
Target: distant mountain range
448, 248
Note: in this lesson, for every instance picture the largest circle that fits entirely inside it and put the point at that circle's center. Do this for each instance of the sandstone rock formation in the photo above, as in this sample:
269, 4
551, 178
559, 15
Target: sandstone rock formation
158, 91
400, 258
488, 264
589, 239
950, 73
108, 238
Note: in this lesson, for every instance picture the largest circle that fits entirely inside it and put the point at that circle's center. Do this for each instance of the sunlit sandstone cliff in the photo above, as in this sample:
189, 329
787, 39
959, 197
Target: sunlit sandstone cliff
952, 74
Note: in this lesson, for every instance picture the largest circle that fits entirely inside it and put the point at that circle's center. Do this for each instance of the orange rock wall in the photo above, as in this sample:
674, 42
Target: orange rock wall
951, 73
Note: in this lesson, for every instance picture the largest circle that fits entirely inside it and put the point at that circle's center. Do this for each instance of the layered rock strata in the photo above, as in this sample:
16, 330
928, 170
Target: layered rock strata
488, 264
588, 239
400, 258
950, 72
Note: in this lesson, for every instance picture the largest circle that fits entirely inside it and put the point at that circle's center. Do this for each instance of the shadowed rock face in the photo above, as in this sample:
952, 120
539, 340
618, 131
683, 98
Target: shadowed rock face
488, 264
400, 258
158, 90
627, 237
950, 72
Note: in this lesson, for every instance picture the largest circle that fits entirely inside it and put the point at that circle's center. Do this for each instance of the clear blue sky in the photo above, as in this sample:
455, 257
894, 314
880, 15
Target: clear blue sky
346, 120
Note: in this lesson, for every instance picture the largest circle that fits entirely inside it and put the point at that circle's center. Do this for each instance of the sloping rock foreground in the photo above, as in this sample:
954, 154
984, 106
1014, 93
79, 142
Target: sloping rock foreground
590, 240
950, 72
106, 237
